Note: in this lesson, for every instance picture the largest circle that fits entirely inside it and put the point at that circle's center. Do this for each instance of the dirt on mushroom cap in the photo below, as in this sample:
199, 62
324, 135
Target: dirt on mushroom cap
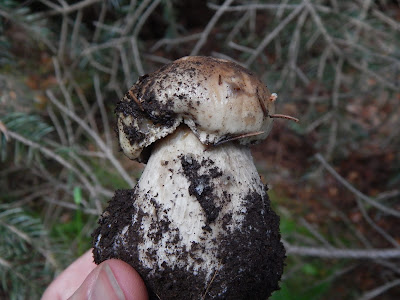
217, 99
198, 225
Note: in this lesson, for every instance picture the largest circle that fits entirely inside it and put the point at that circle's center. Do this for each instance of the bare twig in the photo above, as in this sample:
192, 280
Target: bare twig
326, 117
112, 43
72, 206
387, 195
144, 17
295, 44
211, 281
269, 37
386, 19
103, 113
101, 18
174, 41
88, 112
224, 56
63, 38
136, 57
321, 26
54, 156
75, 33
385, 82
67, 96
95, 137
377, 228
240, 48
343, 253
380, 290
157, 59
57, 125
129, 77
64, 10
204, 35
356, 192
363, 14
256, 6
132, 18
335, 103
315, 233
238, 26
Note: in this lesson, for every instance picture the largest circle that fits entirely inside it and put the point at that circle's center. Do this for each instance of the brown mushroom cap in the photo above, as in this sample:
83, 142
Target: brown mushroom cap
217, 99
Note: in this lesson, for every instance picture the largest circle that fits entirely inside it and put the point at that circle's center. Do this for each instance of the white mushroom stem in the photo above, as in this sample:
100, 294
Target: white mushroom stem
198, 225
199, 193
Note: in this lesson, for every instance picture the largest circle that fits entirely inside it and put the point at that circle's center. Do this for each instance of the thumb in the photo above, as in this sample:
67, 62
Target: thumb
112, 279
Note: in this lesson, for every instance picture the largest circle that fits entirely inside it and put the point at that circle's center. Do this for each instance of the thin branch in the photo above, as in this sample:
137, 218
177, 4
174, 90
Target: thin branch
50, 4
335, 103
72, 206
65, 10
88, 112
95, 137
295, 45
255, 6
315, 233
367, 52
343, 253
386, 19
103, 113
112, 43
377, 228
227, 57
67, 96
363, 14
241, 48
174, 41
101, 18
382, 80
29, 29
98, 65
326, 117
128, 76
238, 26
380, 290
269, 37
5, 264
86, 168
156, 58
54, 156
387, 195
75, 33
136, 57
204, 35
321, 27
144, 17
63, 38
356, 192
131, 19
57, 125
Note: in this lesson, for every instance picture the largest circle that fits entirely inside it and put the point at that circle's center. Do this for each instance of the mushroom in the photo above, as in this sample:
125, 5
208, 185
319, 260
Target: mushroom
198, 225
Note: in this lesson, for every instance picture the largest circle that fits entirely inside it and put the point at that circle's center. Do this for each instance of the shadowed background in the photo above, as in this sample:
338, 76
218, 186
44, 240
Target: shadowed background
333, 177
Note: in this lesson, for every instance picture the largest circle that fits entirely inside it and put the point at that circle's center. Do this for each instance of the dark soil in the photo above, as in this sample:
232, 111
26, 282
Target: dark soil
205, 194
251, 257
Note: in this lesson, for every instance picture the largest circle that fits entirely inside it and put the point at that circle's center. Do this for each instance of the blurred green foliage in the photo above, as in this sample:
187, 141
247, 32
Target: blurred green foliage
334, 64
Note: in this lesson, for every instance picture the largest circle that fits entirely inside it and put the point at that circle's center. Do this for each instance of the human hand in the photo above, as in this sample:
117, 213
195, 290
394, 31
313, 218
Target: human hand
83, 279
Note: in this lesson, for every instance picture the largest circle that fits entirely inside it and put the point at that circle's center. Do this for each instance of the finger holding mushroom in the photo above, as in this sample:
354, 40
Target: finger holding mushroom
198, 225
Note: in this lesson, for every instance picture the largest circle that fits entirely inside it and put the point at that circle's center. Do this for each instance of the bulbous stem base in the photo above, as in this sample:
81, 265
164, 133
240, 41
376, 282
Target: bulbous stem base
198, 225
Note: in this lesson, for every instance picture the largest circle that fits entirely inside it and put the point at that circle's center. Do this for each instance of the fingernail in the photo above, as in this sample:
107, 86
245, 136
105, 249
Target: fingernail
106, 285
